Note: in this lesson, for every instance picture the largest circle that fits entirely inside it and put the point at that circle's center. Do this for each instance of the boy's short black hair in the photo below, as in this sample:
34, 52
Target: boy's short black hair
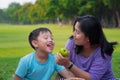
35, 33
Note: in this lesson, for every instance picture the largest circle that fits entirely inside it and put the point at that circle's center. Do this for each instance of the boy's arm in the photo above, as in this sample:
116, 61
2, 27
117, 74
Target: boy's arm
58, 77
17, 77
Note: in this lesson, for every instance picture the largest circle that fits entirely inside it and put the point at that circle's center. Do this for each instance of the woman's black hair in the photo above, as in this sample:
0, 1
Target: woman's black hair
92, 28
35, 33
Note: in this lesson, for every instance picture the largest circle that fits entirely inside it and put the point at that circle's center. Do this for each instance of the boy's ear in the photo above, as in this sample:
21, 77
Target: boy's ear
34, 43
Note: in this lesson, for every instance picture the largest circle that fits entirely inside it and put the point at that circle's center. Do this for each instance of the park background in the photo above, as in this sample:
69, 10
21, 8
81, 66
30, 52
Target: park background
17, 21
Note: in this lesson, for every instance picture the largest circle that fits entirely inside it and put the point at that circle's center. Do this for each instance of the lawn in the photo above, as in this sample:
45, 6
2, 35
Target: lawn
14, 44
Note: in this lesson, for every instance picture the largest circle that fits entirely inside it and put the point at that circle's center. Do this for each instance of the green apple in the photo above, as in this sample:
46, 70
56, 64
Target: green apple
63, 52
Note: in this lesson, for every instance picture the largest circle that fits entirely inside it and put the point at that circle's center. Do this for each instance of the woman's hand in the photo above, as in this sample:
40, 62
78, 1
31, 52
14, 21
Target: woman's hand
62, 60
74, 78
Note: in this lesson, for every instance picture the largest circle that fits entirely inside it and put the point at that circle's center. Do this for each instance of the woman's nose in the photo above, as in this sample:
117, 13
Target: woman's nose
74, 34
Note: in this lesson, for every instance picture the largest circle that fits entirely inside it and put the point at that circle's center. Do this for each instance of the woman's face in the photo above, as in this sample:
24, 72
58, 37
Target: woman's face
79, 36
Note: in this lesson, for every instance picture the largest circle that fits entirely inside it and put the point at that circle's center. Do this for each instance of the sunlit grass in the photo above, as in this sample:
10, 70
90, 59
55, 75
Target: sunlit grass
14, 44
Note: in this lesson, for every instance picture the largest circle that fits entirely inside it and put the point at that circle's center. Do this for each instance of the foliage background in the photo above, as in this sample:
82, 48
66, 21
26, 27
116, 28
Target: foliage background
48, 11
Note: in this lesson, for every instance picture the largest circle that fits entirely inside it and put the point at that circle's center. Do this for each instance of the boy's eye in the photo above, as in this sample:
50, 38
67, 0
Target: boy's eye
45, 37
52, 38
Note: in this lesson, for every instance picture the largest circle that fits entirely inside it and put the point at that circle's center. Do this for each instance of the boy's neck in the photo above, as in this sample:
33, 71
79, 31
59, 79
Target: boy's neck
41, 57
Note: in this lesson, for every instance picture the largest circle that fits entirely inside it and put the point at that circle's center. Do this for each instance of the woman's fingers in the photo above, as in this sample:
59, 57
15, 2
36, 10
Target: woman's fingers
60, 59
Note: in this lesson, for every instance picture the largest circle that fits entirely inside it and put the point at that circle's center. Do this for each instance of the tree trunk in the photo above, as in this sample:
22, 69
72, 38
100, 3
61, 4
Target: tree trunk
104, 22
117, 18
116, 21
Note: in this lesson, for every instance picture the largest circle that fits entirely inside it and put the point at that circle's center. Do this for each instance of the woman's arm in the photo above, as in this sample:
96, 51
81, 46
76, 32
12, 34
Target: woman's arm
74, 69
80, 73
75, 78
66, 74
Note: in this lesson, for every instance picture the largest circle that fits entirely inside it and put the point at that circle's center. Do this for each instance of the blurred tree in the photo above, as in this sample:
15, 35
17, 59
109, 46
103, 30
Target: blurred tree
13, 7
52, 10
23, 13
107, 11
38, 11
68, 9
3, 16
115, 7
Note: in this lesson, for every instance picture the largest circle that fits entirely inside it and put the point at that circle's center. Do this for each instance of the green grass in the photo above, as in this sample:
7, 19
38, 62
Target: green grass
14, 44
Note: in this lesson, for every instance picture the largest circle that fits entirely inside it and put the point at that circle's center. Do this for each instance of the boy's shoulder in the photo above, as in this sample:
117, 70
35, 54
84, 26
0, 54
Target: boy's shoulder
52, 55
28, 56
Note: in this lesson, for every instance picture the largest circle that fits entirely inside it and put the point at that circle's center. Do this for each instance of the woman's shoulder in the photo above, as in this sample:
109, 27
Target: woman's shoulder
70, 40
70, 43
98, 54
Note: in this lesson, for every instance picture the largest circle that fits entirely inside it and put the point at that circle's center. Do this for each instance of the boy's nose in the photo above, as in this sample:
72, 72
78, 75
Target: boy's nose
50, 39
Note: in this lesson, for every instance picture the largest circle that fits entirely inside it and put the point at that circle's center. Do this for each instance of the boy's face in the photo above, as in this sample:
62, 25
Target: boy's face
44, 42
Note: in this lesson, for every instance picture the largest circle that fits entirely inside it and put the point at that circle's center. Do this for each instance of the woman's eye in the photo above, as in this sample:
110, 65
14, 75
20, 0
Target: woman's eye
45, 37
77, 31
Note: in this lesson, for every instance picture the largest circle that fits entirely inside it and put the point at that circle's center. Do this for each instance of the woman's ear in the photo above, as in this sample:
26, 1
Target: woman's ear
34, 43
87, 39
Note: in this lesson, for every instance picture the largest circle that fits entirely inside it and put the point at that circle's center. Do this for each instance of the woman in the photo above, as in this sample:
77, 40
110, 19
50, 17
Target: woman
90, 52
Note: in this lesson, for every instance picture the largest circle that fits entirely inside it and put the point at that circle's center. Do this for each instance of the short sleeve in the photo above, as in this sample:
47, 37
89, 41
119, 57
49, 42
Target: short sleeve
22, 68
71, 47
98, 68
59, 68
69, 44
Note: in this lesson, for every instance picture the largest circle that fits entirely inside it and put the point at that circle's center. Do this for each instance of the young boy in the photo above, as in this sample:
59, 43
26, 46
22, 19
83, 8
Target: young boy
41, 64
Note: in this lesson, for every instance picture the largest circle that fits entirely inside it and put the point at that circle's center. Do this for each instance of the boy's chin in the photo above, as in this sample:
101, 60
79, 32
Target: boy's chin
50, 51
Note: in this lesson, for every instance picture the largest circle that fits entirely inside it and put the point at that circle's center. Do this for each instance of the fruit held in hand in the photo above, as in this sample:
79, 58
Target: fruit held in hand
63, 52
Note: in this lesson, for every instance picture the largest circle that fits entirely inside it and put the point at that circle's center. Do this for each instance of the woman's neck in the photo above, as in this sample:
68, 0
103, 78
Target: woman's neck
87, 51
